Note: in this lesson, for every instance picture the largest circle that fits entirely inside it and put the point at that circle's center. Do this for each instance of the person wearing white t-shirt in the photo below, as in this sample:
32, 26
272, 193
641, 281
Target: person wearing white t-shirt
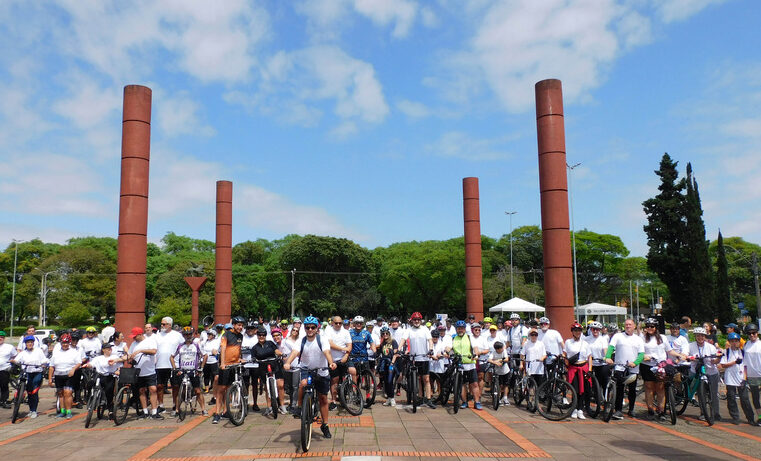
439, 361
734, 378
339, 340
598, 347
576, 352
481, 351
313, 352
500, 359
210, 349
630, 351
250, 377
90, 344
420, 343
33, 359
492, 337
168, 341
700, 349
445, 337
533, 355
7, 352
106, 366
657, 350
143, 353
752, 362
678, 342
552, 339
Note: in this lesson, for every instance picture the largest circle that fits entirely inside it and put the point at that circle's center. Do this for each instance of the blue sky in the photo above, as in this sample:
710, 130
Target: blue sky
359, 118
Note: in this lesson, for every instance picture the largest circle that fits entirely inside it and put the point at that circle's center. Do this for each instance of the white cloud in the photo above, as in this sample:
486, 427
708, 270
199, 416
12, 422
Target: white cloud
457, 144
178, 115
748, 127
326, 18
401, 13
678, 10
413, 109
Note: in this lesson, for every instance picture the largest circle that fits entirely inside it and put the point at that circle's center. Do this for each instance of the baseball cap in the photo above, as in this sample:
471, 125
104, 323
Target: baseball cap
136, 331
493, 327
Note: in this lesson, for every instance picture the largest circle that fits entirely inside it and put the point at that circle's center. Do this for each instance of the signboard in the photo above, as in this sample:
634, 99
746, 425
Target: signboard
442, 317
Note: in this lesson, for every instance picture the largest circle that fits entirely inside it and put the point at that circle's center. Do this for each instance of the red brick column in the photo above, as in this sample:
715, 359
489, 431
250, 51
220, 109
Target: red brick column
224, 255
474, 295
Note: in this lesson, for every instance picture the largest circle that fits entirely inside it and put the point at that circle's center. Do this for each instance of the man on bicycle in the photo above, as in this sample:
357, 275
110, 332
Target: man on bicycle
188, 359
229, 354
420, 344
313, 353
629, 348
340, 344
361, 340
461, 345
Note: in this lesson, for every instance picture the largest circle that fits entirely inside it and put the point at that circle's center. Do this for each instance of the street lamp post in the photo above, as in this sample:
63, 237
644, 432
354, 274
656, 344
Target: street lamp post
293, 292
510, 214
573, 231
44, 309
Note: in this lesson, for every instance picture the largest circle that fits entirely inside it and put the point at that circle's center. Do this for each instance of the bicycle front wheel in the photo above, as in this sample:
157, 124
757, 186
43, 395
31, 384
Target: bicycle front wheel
457, 389
235, 406
122, 404
704, 397
609, 400
18, 399
530, 394
92, 406
670, 403
368, 387
593, 396
412, 389
681, 393
183, 408
495, 392
272, 391
559, 399
519, 390
351, 397
306, 422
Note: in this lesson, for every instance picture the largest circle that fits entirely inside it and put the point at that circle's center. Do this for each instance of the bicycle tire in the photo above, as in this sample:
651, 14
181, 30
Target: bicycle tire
350, 396
122, 404
446, 390
681, 393
704, 398
272, 384
412, 388
306, 422
519, 391
593, 396
369, 387
530, 394
234, 403
457, 391
555, 390
670, 403
182, 407
495, 391
92, 406
17, 400
609, 397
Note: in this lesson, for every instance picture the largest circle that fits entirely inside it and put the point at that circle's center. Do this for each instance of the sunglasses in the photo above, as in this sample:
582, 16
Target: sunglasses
310, 327
574, 329
262, 334
533, 334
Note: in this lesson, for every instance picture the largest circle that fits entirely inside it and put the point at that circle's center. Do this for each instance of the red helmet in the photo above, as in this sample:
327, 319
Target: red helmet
416, 315
575, 326
65, 338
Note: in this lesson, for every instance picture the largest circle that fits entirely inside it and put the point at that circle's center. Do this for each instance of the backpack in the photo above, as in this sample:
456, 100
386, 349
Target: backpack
304, 341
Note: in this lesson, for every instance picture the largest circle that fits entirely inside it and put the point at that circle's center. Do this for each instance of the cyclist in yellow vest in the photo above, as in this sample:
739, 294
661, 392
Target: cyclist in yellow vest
461, 345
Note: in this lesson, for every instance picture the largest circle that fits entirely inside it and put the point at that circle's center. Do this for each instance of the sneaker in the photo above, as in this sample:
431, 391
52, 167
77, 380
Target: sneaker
32, 414
297, 412
60, 415
173, 413
69, 416
141, 415
464, 405
661, 417
160, 410
215, 419
213, 401
580, 414
430, 404
325, 431
157, 416
267, 411
618, 415
387, 403
574, 414
332, 406
283, 410
393, 401
255, 407
204, 413
78, 405
478, 406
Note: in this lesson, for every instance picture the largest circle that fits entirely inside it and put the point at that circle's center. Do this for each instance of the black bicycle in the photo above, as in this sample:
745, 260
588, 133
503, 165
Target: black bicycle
126, 397
350, 395
368, 386
556, 397
622, 374
19, 396
97, 403
525, 388
310, 407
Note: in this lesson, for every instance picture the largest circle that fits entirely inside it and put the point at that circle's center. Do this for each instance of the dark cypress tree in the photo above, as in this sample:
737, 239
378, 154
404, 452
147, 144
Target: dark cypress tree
700, 277
665, 230
724, 311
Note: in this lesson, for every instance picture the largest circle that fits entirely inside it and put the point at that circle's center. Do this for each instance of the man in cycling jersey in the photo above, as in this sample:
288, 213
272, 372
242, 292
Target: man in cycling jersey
188, 359
361, 339
462, 346
313, 353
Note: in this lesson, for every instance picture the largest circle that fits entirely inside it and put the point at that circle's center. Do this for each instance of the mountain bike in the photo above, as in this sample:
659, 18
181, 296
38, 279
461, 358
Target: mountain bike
19, 396
621, 374
697, 385
187, 400
310, 407
525, 388
366, 381
592, 394
350, 395
270, 383
97, 403
236, 398
125, 397
556, 397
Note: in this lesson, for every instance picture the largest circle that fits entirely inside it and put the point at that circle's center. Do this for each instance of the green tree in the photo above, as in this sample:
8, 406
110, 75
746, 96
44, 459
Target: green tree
724, 310
74, 314
699, 275
597, 256
178, 309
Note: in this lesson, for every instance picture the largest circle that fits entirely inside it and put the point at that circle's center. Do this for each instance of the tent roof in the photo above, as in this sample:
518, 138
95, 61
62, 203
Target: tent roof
600, 309
516, 305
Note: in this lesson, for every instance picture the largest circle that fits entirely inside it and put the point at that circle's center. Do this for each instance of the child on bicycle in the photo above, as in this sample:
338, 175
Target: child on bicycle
500, 359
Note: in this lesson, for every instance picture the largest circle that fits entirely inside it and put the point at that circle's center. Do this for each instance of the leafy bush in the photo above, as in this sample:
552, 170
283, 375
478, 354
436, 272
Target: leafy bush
178, 309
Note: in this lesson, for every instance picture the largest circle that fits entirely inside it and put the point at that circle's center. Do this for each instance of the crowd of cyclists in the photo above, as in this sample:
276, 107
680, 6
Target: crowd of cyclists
587, 375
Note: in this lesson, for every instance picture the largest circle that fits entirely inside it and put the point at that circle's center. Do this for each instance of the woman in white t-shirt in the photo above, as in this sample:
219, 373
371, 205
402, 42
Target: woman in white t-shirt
210, 349
577, 353
657, 350
598, 347
106, 366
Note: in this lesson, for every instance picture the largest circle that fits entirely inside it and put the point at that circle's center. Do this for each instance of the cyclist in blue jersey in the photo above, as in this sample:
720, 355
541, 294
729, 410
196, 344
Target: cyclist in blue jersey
360, 340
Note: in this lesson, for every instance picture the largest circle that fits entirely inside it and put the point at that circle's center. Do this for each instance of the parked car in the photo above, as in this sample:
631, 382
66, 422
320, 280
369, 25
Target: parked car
45, 333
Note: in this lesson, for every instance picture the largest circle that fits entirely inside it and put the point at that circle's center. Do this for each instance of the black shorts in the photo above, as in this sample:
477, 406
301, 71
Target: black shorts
321, 383
195, 379
261, 372
146, 381
470, 376
226, 376
211, 369
504, 379
647, 374
63, 381
340, 371
423, 368
163, 375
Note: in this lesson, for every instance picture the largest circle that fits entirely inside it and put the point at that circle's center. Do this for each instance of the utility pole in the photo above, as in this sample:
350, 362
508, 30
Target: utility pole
573, 232
631, 301
293, 293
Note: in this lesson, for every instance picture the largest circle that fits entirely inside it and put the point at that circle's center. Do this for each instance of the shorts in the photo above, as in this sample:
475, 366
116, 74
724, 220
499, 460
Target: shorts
470, 376
261, 372
321, 383
195, 379
163, 375
423, 368
504, 379
211, 369
63, 382
341, 370
146, 381
647, 374
226, 376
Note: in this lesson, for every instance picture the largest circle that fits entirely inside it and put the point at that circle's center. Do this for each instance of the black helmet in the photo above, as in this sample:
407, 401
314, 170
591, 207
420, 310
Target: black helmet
750, 327
651, 321
261, 331
393, 319
435, 334
76, 335
251, 326
238, 319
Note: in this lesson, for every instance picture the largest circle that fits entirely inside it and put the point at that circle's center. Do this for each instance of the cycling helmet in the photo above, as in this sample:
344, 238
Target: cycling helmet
488, 320
385, 330
237, 319
276, 330
459, 323
273, 323
435, 334
733, 335
575, 326
296, 320
76, 335
91, 330
212, 332
612, 327
393, 319
251, 326
311, 320
219, 326
106, 322
416, 316
596, 324
29, 338
751, 327
187, 331
475, 325
261, 331
699, 331
515, 316
544, 320
359, 319
346, 321
228, 326
284, 322
651, 321
324, 323
428, 324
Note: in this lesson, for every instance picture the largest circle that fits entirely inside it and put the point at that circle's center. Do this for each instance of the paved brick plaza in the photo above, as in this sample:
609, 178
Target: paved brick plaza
382, 433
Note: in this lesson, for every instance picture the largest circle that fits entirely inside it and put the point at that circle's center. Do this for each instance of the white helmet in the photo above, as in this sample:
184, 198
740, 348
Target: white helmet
699, 331
359, 318
544, 320
595, 325
515, 316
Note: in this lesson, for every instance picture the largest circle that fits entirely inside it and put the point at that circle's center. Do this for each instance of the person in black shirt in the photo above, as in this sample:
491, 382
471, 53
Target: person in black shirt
386, 352
263, 350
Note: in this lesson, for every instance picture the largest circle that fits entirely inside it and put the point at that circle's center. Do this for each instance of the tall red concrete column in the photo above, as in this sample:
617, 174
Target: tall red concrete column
553, 190
474, 295
133, 208
195, 284
224, 257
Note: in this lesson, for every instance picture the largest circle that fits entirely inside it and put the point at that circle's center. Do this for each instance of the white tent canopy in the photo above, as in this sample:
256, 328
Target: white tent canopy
516, 305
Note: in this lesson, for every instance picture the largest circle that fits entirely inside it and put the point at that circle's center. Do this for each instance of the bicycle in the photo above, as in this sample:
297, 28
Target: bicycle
270, 384
455, 381
18, 397
621, 374
187, 400
592, 394
697, 384
366, 381
97, 402
310, 407
411, 379
350, 395
525, 388
125, 398
668, 384
496, 390
236, 398
556, 397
